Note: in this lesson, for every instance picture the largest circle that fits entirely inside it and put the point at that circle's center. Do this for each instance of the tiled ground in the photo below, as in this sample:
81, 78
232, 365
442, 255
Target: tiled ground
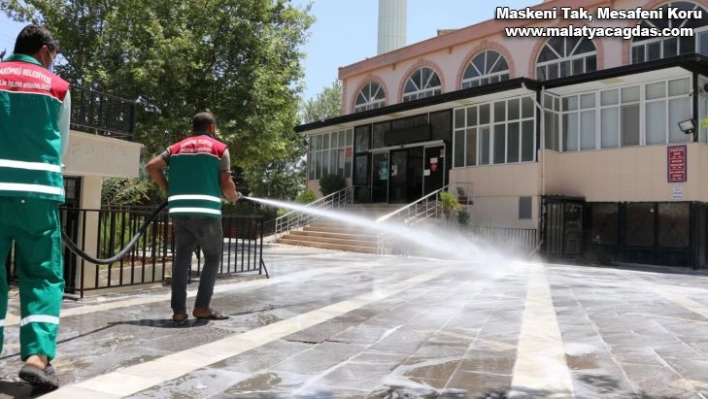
342, 325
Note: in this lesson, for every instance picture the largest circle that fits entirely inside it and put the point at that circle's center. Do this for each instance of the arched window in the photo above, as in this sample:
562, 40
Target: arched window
566, 56
370, 96
424, 82
486, 67
654, 48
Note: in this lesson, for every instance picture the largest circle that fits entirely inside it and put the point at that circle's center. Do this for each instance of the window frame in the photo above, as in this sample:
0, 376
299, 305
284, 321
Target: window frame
426, 91
570, 58
325, 157
371, 102
485, 75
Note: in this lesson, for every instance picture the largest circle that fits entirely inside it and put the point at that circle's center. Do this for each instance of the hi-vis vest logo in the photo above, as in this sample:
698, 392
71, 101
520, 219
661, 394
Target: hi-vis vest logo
24, 77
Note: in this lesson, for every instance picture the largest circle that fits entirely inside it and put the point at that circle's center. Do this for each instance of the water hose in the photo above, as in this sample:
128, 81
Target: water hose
75, 248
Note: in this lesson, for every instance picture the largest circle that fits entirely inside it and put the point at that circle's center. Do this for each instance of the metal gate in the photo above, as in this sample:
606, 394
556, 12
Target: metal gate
562, 227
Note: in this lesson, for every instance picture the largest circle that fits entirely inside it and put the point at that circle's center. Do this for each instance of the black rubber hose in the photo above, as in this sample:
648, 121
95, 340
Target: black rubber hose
75, 249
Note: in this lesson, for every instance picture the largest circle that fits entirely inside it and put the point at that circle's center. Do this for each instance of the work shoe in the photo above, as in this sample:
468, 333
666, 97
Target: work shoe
46, 379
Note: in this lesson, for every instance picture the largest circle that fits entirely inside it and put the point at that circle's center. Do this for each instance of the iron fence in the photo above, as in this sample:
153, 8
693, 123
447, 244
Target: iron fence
102, 113
103, 233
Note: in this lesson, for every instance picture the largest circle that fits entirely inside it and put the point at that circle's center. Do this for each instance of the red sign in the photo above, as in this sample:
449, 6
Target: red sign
348, 152
433, 167
676, 163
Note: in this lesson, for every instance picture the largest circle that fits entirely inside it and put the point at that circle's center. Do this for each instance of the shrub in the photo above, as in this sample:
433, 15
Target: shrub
463, 217
306, 197
331, 184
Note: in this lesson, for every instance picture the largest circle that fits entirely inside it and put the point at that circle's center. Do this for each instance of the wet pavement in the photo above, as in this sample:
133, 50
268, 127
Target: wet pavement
333, 324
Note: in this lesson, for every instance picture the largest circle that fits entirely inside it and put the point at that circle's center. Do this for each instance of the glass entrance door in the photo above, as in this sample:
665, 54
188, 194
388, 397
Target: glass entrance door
399, 185
434, 171
379, 177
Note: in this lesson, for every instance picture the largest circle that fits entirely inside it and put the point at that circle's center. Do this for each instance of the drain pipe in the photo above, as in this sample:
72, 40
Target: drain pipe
542, 135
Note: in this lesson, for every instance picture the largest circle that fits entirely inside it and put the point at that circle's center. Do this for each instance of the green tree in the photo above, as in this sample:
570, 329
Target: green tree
239, 59
285, 178
326, 104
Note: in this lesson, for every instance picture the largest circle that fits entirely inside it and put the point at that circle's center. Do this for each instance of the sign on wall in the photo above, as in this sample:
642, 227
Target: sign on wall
676, 163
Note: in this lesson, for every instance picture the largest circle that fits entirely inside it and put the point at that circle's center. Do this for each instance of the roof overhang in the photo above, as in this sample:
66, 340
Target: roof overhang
674, 67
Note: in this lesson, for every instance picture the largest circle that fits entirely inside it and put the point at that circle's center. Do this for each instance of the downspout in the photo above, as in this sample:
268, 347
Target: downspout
542, 146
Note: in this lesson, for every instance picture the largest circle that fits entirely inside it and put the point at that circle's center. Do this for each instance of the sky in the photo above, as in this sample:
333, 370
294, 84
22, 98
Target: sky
345, 31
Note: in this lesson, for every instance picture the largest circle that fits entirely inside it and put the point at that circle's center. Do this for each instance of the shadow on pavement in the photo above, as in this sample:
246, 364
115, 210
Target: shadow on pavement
161, 323
19, 390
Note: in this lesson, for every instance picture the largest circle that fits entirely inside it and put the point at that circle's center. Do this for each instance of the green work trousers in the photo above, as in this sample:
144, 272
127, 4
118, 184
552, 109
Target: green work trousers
35, 227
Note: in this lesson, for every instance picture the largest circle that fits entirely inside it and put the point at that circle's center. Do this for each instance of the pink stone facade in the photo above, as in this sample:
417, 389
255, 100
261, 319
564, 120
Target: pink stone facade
450, 54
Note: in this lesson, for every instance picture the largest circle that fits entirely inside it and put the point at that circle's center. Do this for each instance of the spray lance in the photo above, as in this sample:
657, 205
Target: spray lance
141, 231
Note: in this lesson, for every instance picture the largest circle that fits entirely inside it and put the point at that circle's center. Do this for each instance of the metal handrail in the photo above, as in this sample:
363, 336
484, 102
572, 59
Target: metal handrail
297, 219
424, 208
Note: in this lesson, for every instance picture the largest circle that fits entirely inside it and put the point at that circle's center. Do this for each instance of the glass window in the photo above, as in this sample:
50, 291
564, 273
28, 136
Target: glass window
514, 110
630, 125
587, 130
423, 82
514, 137
528, 150
648, 48
630, 94
459, 148
656, 90
499, 144
609, 97
656, 122
486, 67
484, 116
471, 137
527, 107
679, 110
570, 132
609, 130
369, 97
500, 111
566, 56
484, 144
679, 87
702, 42
460, 118
362, 135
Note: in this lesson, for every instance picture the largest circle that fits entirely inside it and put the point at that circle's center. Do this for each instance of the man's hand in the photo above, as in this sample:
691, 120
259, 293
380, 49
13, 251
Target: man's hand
155, 168
228, 188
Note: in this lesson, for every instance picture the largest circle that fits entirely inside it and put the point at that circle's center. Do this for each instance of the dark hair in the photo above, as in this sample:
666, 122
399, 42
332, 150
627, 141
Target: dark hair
32, 38
202, 121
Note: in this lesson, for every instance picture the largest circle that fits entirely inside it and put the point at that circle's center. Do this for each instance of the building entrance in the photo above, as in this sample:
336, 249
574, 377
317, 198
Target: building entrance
403, 175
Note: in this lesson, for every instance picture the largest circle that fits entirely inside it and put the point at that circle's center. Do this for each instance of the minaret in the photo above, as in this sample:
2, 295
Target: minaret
392, 25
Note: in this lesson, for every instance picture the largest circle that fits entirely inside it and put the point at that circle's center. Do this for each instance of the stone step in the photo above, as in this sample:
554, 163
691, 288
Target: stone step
370, 249
340, 229
334, 236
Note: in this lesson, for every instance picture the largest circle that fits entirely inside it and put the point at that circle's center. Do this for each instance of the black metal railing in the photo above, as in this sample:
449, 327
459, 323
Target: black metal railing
100, 113
103, 233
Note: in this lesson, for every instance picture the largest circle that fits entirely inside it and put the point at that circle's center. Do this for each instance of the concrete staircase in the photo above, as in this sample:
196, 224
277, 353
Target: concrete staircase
331, 234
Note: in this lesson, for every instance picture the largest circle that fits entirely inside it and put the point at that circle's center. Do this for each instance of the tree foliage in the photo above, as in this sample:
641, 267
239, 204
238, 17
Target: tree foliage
327, 104
239, 59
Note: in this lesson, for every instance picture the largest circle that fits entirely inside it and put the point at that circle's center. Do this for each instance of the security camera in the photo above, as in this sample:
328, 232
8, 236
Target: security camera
705, 88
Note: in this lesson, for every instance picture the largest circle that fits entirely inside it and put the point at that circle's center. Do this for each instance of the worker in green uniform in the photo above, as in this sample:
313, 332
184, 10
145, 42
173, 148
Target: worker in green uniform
34, 129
